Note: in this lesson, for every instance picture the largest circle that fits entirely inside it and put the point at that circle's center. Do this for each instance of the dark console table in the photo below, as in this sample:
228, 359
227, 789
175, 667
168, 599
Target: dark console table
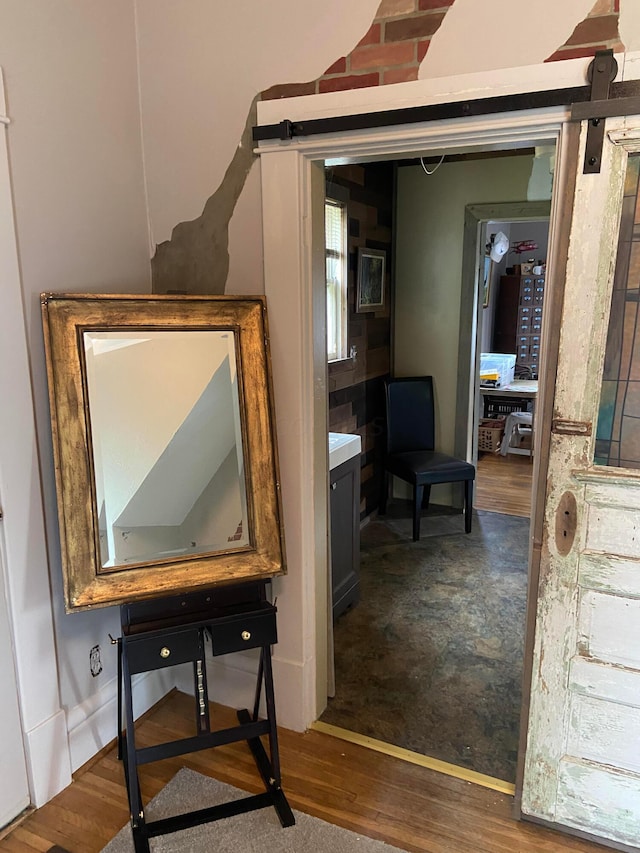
164, 632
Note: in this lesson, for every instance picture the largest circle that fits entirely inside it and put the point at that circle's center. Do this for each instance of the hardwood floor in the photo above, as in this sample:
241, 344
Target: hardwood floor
343, 783
503, 484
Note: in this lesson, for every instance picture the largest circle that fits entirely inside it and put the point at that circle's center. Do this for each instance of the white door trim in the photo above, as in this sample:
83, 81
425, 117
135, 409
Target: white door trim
300, 387
28, 591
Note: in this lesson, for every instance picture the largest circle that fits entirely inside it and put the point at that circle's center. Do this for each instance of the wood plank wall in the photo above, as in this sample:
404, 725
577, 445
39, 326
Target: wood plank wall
356, 389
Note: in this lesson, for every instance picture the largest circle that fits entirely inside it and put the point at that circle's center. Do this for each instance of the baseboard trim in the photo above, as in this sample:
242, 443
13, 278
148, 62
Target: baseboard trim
93, 724
416, 758
48, 759
231, 681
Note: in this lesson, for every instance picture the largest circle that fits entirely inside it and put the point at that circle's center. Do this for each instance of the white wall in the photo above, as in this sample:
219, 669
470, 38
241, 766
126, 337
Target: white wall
76, 170
201, 65
514, 32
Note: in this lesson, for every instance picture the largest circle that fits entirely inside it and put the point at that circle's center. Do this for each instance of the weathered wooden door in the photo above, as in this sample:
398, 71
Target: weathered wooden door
582, 767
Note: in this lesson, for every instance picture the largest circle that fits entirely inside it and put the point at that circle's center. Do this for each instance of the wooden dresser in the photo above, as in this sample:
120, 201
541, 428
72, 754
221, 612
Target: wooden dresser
518, 322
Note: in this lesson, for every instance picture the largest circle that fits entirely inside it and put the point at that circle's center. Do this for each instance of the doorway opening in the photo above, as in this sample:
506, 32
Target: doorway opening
429, 656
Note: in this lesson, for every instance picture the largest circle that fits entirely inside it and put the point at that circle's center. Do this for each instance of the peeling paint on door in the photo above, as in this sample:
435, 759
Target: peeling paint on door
582, 766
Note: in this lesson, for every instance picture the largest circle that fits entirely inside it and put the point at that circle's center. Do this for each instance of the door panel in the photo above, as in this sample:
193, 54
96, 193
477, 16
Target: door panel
582, 767
594, 799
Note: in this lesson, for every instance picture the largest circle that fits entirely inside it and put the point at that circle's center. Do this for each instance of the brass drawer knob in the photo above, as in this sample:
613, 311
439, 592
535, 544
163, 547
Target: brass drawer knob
165, 652
246, 635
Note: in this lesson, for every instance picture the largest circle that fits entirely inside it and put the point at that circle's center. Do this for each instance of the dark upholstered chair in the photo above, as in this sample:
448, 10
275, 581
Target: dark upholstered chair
410, 442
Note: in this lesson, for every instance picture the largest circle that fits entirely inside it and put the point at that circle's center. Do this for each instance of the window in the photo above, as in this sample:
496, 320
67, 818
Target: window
618, 433
335, 215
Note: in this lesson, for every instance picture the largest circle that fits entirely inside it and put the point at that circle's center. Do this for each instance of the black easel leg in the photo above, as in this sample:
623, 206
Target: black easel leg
258, 695
269, 767
138, 827
271, 714
119, 653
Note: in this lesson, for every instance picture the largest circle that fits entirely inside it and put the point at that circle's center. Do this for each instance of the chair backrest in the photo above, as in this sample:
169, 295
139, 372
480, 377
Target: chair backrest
410, 414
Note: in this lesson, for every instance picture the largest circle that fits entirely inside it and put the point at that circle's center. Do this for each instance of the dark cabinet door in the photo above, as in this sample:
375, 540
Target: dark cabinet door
345, 534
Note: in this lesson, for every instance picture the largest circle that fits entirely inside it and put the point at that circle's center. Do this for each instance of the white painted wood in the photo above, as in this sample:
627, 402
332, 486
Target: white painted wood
14, 786
609, 573
615, 488
609, 628
290, 183
488, 133
593, 799
436, 90
528, 78
604, 681
28, 591
91, 724
583, 763
614, 530
604, 733
294, 299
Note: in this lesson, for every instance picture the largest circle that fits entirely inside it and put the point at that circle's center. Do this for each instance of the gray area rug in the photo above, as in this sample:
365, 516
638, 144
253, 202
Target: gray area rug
253, 832
430, 659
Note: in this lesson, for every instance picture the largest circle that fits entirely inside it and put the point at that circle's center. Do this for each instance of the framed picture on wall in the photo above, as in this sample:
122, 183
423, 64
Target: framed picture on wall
370, 293
486, 282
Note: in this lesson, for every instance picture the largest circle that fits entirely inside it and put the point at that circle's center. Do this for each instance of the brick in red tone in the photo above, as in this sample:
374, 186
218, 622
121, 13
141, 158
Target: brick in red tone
418, 26
338, 67
289, 90
382, 55
574, 52
428, 5
371, 37
353, 81
591, 30
400, 75
616, 5
423, 47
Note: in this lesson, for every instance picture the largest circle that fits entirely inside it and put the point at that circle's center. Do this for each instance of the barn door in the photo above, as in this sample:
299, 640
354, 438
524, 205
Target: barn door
582, 766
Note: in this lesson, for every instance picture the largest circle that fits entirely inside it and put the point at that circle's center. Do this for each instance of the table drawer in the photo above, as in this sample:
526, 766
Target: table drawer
167, 648
244, 631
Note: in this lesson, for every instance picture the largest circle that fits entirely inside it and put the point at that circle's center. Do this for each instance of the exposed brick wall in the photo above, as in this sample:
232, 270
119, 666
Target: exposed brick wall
598, 31
389, 52
356, 396
398, 39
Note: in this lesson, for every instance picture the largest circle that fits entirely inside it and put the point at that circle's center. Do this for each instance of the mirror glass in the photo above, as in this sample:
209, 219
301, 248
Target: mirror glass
167, 444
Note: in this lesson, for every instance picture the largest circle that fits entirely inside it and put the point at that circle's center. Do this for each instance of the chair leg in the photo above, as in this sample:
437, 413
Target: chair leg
384, 493
417, 506
468, 505
426, 497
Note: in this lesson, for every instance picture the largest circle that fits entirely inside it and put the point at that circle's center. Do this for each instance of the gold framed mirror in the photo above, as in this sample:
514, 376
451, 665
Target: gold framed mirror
164, 444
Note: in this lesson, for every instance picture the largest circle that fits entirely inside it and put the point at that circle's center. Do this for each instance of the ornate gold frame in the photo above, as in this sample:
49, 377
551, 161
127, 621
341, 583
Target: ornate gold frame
86, 583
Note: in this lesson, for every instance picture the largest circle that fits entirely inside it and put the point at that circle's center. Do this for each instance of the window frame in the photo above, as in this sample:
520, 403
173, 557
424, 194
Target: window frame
337, 303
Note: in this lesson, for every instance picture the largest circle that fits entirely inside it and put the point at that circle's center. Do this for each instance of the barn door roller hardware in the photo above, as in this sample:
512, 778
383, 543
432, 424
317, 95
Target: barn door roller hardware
603, 104
593, 103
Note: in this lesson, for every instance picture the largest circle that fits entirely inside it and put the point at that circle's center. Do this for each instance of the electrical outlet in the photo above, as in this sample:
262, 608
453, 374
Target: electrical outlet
95, 663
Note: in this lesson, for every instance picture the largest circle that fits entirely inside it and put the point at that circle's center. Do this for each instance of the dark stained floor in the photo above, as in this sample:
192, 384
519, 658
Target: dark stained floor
430, 659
